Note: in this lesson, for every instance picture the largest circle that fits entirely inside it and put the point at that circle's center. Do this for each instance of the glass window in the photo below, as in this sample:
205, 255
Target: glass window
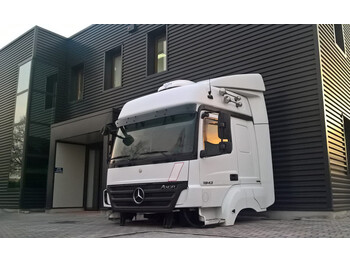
76, 90
16, 154
160, 59
117, 70
157, 51
210, 131
339, 37
214, 145
21, 107
24, 77
19, 128
113, 68
167, 137
51, 86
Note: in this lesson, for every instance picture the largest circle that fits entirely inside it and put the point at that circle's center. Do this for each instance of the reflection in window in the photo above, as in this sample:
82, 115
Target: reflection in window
166, 136
17, 154
211, 138
160, 59
117, 70
19, 128
210, 130
24, 77
76, 90
157, 51
21, 107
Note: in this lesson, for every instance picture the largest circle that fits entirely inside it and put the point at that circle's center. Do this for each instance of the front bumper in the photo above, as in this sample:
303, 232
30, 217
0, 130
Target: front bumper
156, 197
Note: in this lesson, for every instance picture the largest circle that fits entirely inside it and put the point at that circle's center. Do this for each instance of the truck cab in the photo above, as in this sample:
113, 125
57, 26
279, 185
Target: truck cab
198, 149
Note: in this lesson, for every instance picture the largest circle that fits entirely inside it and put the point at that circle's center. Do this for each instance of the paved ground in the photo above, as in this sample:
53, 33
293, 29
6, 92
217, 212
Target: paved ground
96, 225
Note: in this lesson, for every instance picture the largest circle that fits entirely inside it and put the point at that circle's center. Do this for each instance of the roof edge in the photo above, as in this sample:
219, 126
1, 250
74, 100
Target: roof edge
81, 31
19, 37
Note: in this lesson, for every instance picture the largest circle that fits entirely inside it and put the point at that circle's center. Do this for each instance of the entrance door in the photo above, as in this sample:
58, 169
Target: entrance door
69, 176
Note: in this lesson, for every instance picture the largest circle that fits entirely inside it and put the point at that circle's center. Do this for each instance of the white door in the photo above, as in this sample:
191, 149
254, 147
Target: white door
69, 176
246, 148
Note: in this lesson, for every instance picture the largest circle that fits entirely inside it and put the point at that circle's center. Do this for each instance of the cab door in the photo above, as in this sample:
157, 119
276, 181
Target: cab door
246, 149
218, 158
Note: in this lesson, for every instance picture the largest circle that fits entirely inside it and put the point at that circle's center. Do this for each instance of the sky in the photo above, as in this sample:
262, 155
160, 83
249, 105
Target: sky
67, 17
9, 32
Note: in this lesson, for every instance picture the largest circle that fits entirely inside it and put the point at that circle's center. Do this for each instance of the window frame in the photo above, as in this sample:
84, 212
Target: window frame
108, 77
152, 36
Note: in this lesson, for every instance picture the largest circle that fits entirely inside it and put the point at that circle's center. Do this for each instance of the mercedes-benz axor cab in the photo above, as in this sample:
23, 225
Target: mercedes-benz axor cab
198, 150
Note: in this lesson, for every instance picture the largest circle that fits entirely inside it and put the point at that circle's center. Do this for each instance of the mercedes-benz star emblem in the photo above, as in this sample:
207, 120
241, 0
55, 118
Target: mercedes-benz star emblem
138, 195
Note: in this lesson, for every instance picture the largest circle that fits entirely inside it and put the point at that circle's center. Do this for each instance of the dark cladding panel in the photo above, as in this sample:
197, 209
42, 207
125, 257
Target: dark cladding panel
285, 55
50, 47
48, 64
11, 57
335, 66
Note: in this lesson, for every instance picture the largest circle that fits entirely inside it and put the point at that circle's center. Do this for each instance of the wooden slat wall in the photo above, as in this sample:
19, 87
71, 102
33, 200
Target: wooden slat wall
335, 68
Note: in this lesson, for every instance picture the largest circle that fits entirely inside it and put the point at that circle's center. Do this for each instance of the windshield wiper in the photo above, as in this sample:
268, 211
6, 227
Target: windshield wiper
117, 157
163, 152
155, 152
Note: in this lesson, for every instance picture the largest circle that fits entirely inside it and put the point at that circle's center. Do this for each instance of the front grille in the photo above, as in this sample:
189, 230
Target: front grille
158, 197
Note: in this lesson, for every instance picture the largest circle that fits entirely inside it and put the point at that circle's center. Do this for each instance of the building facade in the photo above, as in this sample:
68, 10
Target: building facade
57, 93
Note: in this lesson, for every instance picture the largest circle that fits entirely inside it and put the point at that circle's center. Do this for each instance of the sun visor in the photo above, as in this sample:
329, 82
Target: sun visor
182, 109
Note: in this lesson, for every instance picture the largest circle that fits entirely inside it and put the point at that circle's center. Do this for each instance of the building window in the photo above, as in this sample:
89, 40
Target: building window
18, 135
51, 87
113, 68
339, 37
347, 141
76, 91
157, 51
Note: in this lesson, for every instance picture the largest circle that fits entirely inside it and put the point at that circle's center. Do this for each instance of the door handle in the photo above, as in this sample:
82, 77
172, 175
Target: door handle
233, 177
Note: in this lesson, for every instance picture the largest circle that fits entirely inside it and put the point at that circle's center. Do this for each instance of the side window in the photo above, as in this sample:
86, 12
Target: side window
213, 144
77, 83
210, 131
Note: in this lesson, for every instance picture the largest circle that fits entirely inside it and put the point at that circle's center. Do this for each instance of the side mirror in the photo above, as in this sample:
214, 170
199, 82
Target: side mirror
202, 154
128, 140
224, 129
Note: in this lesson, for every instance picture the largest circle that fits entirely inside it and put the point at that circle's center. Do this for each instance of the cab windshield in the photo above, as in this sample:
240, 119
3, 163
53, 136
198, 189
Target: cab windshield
169, 138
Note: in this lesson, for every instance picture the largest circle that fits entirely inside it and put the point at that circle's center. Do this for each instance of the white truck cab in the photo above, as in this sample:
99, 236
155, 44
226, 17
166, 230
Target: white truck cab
198, 149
